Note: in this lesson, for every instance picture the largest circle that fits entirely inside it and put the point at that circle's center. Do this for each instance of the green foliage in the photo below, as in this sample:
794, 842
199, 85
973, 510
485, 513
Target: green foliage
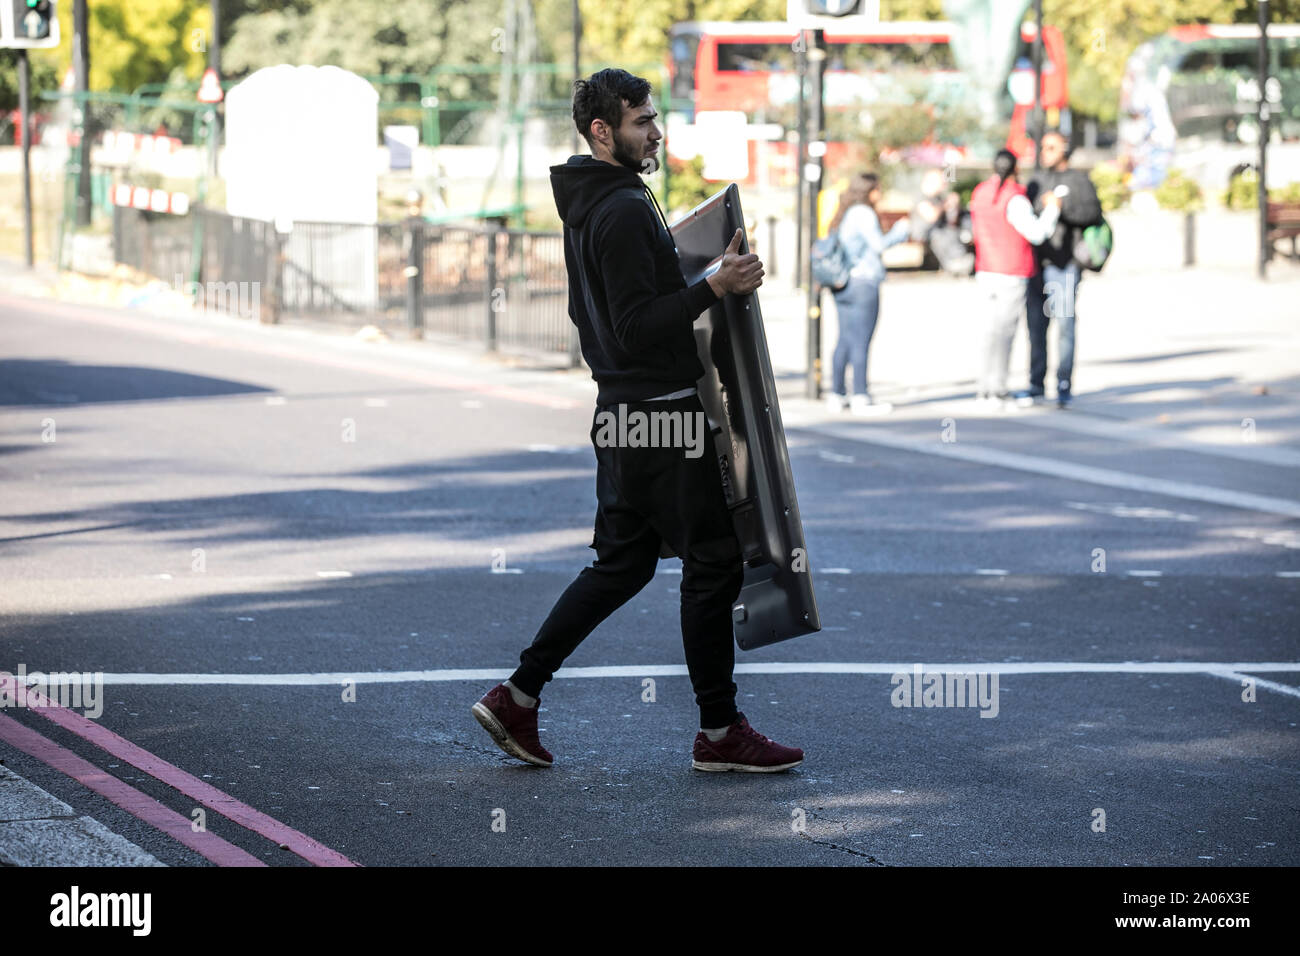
1179, 192
1287, 193
1112, 190
133, 42
687, 187
1242, 191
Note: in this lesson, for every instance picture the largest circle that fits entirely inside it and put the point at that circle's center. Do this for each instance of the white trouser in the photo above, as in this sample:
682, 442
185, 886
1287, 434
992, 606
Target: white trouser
1002, 302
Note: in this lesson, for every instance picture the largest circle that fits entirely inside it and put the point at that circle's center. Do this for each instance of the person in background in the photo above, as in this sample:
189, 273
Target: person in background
937, 221
858, 303
1053, 288
1006, 230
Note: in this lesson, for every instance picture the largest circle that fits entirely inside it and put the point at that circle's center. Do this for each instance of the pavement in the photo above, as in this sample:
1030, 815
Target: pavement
295, 559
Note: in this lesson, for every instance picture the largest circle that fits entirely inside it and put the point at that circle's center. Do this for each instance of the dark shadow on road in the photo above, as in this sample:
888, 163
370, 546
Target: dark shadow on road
25, 382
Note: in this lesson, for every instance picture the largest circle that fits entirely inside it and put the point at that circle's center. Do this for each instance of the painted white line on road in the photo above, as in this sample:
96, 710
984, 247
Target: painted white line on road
1259, 682
333, 574
1144, 574
1126, 430
679, 670
984, 455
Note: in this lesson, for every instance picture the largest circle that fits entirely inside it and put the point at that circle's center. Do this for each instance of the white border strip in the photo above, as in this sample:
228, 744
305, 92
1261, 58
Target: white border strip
679, 670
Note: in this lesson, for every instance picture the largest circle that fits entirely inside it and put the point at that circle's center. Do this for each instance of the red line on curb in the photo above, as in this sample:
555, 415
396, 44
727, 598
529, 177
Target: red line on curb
139, 805
199, 336
241, 813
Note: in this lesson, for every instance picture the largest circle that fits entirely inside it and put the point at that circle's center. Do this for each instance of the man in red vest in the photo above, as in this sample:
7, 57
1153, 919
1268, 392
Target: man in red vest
1006, 230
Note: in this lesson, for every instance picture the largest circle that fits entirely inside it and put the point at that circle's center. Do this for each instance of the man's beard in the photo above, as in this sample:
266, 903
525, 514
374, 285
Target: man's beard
623, 155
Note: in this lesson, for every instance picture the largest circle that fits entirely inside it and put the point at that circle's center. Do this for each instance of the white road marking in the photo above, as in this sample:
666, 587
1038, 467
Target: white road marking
1259, 682
333, 574
1125, 430
1070, 471
679, 670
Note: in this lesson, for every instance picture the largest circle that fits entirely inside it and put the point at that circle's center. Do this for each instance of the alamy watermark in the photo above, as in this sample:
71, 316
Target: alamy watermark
923, 688
243, 299
69, 689
657, 429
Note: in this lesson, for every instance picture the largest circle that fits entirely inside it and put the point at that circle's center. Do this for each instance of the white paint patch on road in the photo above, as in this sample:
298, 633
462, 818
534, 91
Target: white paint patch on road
1144, 574
832, 456
1070, 471
1259, 682
1127, 511
333, 574
997, 572
275, 400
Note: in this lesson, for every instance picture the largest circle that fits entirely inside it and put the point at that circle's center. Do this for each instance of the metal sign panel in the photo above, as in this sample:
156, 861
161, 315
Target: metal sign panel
738, 392
27, 28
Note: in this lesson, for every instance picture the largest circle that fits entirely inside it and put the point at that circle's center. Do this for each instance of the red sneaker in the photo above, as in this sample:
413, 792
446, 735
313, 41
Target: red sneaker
744, 748
514, 728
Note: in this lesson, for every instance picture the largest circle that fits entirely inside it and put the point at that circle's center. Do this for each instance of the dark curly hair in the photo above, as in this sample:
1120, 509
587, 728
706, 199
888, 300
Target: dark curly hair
601, 96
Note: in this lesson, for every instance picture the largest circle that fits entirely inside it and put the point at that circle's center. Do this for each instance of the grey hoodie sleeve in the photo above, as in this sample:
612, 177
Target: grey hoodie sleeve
624, 238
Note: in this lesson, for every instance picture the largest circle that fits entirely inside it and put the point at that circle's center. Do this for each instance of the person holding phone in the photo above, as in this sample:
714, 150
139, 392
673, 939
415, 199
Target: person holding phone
1052, 290
857, 304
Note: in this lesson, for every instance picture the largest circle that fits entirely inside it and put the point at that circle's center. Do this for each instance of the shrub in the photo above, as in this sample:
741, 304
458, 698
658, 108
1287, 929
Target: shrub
1242, 191
1112, 190
1179, 192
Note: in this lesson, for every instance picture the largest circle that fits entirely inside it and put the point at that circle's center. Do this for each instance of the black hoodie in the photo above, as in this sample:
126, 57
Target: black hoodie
627, 294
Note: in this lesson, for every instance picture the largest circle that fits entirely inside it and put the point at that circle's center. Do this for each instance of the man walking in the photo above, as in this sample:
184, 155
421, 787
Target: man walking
1053, 287
635, 316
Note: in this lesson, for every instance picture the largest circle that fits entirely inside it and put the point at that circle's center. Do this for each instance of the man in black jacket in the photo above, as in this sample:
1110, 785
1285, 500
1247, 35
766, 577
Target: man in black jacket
1052, 290
635, 317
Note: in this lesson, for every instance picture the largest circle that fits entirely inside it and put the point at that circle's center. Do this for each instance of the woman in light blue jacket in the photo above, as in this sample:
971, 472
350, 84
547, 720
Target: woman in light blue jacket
858, 303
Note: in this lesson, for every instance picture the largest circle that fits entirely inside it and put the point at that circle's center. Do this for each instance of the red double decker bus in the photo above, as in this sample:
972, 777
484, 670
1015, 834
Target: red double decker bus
751, 67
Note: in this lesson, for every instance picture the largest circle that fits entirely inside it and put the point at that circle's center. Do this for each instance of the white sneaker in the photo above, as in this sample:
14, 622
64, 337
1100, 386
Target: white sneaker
836, 402
863, 405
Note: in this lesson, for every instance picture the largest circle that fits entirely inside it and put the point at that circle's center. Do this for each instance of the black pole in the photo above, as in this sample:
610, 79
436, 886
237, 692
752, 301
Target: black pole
214, 62
575, 343
1264, 247
577, 62
817, 54
1038, 115
801, 153
414, 229
81, 67
24, 107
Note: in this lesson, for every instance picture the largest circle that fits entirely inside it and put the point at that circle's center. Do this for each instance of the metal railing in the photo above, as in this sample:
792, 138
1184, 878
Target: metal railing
505, 288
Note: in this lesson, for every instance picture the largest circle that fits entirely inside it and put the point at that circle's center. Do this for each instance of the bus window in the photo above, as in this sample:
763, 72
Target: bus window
1199, 61
1243, 61
755, 57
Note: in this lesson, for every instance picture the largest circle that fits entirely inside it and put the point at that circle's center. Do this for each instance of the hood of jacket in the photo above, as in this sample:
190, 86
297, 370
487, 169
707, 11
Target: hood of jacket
582, 182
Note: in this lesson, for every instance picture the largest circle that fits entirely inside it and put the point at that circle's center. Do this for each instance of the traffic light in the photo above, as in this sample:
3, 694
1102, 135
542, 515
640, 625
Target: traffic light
28, 24
828, 14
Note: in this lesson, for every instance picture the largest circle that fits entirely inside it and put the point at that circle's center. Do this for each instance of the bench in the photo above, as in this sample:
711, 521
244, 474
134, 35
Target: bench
1283, 222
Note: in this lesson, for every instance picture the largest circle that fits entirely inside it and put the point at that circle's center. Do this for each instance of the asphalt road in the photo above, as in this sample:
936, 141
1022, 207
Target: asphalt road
224, 500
